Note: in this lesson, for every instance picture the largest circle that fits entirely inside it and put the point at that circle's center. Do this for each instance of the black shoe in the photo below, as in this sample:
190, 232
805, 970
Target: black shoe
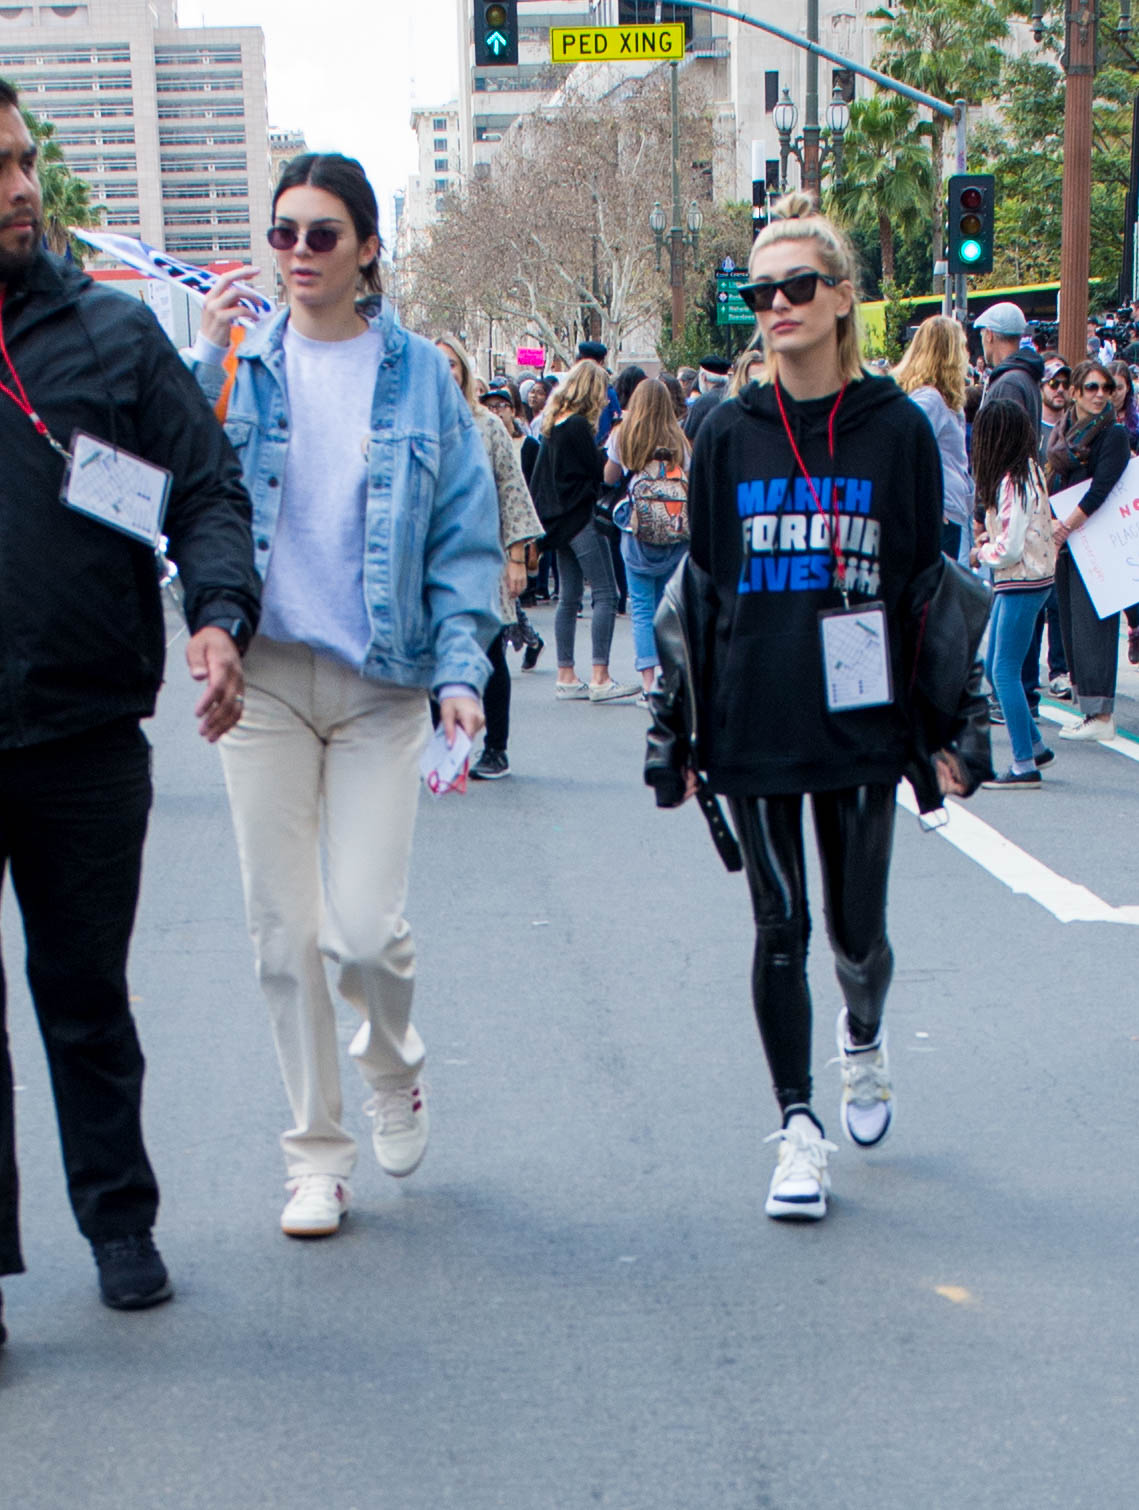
531, 653
490, 766
996, 714
132, 1275
1015, 781
1045, 757
3, 1328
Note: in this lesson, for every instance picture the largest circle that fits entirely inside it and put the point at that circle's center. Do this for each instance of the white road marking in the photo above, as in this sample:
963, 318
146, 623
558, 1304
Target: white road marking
1018, 870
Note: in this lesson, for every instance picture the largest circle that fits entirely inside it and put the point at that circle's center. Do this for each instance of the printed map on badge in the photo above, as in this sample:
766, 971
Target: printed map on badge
856, 659
116, 488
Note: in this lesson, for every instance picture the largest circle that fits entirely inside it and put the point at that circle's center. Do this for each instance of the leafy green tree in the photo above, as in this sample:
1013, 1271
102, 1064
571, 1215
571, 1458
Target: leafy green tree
886, 175
949, 49
66, 198
1024, 148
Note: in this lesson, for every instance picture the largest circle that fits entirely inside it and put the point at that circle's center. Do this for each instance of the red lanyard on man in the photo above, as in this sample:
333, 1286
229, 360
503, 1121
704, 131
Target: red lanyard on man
19, 397
832, 522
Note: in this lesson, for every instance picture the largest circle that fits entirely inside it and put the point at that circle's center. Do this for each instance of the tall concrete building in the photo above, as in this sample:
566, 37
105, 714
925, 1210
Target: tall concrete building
437, 139
168, 125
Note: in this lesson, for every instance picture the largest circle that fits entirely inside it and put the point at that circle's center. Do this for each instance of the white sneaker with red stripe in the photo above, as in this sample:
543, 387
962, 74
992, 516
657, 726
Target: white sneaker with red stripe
318, 1204
401, 1128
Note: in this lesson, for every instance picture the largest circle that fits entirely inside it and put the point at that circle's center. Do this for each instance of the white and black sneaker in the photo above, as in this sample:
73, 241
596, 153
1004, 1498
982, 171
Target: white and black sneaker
867, 1095
800, 1183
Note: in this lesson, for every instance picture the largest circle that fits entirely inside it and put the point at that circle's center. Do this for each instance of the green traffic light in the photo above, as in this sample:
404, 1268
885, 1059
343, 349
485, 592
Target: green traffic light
970, 251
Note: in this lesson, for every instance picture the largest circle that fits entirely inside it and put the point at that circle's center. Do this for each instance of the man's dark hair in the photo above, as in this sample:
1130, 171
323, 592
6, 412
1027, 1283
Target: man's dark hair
8, 95
344, 177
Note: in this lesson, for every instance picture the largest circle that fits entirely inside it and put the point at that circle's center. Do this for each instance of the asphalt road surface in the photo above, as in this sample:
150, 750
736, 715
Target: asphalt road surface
578, 1301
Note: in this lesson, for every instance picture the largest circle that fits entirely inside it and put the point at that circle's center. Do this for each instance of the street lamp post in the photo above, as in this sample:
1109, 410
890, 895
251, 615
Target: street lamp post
806, 149
678, 238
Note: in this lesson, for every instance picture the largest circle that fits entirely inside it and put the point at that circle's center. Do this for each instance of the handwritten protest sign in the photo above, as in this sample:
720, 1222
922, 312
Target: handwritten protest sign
1106, 549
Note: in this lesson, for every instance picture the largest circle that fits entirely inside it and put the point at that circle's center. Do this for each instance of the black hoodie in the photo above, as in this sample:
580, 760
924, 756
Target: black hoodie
1019, 379
757, 532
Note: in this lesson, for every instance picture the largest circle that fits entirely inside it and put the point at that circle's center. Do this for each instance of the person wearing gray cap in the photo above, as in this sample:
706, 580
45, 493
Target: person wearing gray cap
1016, 371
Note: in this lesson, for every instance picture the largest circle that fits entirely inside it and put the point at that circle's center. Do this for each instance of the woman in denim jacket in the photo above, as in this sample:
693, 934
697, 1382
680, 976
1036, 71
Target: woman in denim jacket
376, 531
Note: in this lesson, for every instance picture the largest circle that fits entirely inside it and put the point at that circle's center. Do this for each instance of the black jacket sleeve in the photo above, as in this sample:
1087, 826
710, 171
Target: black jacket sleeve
209, 517
1112, 452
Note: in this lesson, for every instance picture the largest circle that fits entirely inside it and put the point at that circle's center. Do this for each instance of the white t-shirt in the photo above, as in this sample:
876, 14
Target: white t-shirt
314, 586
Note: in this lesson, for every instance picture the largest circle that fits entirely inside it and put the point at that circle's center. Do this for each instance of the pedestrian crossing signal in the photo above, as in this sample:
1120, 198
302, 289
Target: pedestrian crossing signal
496, 33
969, 202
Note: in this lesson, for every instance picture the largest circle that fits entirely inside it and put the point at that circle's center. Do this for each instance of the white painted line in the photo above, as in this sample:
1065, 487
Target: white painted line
1065, 719
1018, 870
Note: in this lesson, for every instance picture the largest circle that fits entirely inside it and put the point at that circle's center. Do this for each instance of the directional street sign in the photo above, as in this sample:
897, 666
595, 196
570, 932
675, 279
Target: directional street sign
730, 308
615, 44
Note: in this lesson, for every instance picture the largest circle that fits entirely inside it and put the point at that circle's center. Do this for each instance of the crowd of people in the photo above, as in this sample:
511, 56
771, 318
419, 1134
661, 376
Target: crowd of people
360, 525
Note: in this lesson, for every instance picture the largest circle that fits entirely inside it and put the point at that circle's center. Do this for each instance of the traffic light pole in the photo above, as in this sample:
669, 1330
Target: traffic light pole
960, 281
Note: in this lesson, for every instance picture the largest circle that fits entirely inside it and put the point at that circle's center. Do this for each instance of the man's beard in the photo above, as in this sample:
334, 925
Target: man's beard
12, 264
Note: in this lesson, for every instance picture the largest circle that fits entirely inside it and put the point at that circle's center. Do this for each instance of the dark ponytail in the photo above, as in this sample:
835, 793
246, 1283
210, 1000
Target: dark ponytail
344, 177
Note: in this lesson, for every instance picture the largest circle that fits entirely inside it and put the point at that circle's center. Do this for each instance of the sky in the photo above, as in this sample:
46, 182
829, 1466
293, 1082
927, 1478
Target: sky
347, 72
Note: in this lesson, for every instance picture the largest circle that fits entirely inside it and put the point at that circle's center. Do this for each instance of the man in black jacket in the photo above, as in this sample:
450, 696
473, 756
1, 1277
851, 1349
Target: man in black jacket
1016, 371
82, 647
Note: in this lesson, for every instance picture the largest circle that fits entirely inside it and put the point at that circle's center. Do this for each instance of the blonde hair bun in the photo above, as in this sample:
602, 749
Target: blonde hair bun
795, 205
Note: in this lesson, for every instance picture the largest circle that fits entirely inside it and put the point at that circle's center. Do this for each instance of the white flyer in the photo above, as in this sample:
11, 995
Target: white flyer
116, 488
856, 658
444, 766
1106, 549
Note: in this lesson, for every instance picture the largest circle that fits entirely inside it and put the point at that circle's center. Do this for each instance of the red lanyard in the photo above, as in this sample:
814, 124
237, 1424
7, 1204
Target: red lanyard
19, 397
832, 522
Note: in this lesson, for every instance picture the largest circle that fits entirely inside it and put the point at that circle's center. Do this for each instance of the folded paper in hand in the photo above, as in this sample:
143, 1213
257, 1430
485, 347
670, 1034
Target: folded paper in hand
444, 766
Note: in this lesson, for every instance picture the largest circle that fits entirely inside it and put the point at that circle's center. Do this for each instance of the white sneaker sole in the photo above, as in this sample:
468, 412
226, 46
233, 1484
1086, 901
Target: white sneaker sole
797, 1211
296, 1229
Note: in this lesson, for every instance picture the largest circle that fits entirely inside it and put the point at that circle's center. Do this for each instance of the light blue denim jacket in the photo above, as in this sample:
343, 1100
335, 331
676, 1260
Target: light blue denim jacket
432, 559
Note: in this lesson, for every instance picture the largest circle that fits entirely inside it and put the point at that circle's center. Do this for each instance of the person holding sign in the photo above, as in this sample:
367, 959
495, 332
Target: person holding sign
815, 509
1088, 445
105, 441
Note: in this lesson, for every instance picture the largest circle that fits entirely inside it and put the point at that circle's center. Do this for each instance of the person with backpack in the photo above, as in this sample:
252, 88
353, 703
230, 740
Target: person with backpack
650, 450
1017, 544
806, 632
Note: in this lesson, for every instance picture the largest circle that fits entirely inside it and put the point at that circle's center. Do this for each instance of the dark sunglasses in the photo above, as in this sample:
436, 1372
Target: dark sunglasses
1056, 382
1098, 388
318, 238
798, 289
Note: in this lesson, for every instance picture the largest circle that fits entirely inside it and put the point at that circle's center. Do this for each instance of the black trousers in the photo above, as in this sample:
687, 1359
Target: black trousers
855, 833
1091, 644
496, 695
73, 816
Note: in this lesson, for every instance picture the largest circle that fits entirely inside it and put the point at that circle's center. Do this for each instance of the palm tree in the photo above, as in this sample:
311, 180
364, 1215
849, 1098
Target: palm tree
66, 198
886, 172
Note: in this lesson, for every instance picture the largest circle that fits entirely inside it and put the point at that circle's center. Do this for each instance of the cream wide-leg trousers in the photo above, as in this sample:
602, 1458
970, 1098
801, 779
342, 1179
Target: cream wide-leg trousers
323, 780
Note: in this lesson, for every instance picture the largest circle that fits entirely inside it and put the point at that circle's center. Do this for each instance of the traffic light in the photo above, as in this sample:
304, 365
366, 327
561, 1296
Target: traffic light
496, 33
970, 205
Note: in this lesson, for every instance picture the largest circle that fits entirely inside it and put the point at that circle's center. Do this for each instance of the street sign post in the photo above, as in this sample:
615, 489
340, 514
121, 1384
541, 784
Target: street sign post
730, 308
616, 44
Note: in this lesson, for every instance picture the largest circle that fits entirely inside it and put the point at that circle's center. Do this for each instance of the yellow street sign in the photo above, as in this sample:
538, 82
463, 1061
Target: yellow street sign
615, 44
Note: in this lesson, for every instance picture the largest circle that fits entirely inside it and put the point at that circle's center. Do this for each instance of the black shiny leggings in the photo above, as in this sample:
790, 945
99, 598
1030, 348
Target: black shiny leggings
855, 833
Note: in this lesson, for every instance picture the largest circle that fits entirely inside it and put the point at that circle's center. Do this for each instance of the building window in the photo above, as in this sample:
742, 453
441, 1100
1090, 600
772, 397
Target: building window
440, 144
439, 123
770, 89
441, 165
441, 185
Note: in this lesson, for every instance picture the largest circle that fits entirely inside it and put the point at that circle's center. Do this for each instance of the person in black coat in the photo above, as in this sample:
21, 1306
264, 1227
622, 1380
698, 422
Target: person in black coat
1087, 446
81, 622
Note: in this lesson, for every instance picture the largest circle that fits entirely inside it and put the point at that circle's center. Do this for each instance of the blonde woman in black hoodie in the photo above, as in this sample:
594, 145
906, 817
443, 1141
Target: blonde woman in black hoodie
815, 501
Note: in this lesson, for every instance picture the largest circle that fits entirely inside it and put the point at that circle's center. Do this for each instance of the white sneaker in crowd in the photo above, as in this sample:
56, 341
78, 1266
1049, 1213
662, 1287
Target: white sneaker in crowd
610, 691
316, 1207
401, 1128
1090, 728
867, 1096
800, 1183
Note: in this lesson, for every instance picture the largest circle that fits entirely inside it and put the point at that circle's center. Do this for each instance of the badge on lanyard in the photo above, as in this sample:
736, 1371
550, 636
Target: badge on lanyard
856, 657
116, 488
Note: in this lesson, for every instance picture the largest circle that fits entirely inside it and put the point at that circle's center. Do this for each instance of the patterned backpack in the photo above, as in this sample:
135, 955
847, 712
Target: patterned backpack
659, 496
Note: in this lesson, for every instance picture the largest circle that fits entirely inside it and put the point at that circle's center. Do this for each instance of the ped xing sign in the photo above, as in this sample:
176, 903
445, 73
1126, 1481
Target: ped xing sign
615, 44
